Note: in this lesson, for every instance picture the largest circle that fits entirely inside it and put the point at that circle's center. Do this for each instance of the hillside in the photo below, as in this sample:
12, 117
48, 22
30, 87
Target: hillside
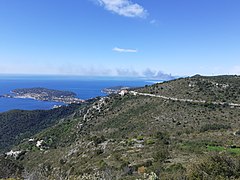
212, 88
142, 137
18, 124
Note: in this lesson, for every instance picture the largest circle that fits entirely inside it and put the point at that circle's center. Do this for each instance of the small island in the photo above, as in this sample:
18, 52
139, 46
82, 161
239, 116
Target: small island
44, 94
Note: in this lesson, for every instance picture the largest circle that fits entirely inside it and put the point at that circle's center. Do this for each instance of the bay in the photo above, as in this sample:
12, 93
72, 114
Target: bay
84, 87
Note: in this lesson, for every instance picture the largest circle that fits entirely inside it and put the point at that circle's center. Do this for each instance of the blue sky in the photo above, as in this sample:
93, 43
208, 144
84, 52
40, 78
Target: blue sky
120, 37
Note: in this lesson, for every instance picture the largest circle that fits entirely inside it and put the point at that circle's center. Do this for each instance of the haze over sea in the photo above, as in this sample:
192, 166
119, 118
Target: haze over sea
84, 87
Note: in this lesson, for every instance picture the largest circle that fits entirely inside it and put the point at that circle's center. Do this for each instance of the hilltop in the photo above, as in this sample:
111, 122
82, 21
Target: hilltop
207, 88
135, 136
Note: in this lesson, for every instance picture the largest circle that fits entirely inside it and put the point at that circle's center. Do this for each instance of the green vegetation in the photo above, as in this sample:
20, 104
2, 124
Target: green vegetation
216, 167
17, 124
211, 88
137, 137
215, 148
10, 169
214, 127
233, 150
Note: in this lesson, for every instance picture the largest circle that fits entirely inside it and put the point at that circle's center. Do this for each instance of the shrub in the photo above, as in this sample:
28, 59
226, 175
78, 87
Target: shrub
98, 140
175, 168
140, 137
238, 133
162, 137
161, 154
150, 141
214, 127
99, 151
217, 166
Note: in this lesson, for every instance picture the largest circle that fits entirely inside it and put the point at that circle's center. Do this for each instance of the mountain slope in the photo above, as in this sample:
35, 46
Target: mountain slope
18, 124
135, 136
208, 88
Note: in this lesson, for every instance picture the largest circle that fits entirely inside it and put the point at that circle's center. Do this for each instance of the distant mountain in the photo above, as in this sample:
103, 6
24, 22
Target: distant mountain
186, 128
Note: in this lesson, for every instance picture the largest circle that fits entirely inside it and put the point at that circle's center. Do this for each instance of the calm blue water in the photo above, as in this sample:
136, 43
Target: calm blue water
85, 88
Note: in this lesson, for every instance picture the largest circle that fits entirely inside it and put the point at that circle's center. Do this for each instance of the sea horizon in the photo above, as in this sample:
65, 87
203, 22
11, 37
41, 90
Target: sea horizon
84, 87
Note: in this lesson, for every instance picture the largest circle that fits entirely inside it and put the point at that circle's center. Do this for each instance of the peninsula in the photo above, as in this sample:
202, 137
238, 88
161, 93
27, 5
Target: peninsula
44, 94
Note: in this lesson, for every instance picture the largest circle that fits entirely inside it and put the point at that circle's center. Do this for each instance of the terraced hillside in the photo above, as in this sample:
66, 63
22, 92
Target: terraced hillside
142, 137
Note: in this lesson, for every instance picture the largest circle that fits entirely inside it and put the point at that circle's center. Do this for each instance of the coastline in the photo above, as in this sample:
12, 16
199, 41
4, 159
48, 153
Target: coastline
44, 94
84, 89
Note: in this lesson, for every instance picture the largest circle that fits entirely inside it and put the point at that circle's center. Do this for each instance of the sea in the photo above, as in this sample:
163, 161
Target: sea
84, 87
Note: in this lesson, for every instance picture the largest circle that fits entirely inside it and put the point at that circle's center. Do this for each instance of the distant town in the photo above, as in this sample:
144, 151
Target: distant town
115, 90
44, 94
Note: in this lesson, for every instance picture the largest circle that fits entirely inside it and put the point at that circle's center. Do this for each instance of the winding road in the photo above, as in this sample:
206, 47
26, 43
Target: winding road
182, 100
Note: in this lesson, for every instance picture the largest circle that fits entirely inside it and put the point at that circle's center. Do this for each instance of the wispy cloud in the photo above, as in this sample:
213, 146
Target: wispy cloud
154, 22
124, 8
122, 50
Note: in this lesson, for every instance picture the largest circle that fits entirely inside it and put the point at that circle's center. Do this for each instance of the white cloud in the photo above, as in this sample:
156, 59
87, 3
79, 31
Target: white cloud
124, 8
125, 50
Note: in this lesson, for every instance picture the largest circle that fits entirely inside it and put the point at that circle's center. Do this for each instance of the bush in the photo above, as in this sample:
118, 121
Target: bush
162, 137
98, 140
140, 138
175, 167
150, 141
161, 154
214, 127
99, 151
217, 166
238, 133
